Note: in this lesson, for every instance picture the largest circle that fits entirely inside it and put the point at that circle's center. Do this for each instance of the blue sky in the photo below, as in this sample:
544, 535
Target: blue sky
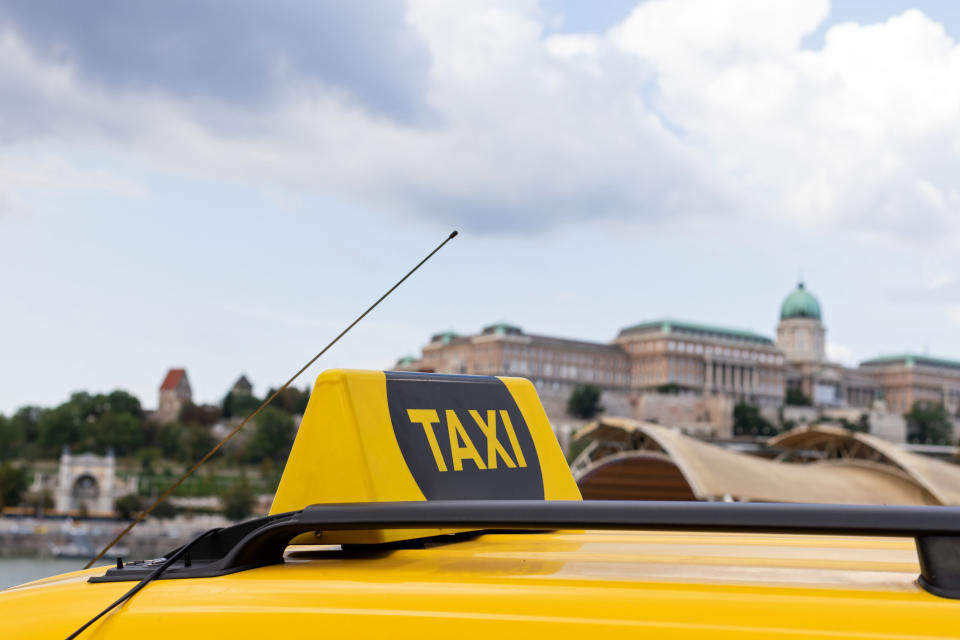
606, 163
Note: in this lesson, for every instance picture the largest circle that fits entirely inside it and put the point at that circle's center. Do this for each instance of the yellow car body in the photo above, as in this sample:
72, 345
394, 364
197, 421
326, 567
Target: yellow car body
403, 581
504, 585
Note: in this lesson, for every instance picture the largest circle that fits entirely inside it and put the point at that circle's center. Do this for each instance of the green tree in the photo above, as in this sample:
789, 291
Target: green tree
929, 423
862, 424
238, 501
148, 457
92, 423
226, 405
669, 389
204, 414
584, 401
195, 441
576, 448
122, 402
13, 484
126, 506
118, 431
291, 400
168, 439
11, 439
164, 511
27, 420
747, 421
797, 397
184, 442
60, 427
273, 436
239, 405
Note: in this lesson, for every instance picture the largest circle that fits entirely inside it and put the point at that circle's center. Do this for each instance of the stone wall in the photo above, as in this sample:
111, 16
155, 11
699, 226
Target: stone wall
709, 416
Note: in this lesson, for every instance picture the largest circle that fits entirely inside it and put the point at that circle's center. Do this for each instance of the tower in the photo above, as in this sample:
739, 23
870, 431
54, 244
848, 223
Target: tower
801, 333
174, 393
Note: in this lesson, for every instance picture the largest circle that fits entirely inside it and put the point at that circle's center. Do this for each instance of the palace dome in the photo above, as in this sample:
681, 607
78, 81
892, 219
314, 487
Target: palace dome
800, 304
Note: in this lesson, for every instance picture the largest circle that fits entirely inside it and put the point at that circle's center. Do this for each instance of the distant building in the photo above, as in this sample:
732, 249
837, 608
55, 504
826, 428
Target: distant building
408, 363
242, 387
908, 378
555, 365
174, 393
802, 338
84, 483
690, 374
504, 349
687, 360
697, 359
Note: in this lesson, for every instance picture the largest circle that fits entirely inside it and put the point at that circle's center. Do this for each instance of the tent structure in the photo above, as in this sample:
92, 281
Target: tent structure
940, 479
630, 459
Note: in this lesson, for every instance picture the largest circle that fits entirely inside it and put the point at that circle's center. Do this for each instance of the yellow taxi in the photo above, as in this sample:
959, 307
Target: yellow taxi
438, 506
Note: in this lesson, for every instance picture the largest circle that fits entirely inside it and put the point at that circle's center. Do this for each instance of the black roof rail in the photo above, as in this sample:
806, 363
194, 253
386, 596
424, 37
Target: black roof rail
257, 543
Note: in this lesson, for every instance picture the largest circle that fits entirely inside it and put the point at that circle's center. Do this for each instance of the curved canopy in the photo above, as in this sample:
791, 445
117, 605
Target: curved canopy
635, 475
941, 479
715, 473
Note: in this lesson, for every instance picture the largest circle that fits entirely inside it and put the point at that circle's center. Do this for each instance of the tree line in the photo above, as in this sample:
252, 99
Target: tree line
116, 421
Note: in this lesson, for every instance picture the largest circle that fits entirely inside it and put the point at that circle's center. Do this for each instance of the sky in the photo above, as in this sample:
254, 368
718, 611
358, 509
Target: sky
224, 186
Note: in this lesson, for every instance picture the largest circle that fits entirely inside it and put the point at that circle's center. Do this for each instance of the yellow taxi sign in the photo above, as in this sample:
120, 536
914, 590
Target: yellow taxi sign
374, 436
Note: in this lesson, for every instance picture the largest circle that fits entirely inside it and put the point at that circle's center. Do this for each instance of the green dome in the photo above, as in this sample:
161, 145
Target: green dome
800, 304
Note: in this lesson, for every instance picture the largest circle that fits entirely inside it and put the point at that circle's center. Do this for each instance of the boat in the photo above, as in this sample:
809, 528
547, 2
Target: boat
430, 506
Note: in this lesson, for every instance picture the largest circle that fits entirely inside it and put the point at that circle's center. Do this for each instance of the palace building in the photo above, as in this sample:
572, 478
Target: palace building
802, 338
702, 367
907, 378
701, 360
503, 349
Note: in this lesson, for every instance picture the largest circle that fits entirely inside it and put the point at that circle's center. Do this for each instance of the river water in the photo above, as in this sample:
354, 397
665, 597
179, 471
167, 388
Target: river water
14, 571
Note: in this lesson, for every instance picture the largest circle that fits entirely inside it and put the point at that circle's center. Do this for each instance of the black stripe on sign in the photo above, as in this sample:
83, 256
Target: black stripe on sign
463, 437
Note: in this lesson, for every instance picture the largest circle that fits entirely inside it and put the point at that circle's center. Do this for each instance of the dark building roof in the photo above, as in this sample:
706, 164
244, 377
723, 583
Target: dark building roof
800, 304
501, 329
242, 385
564, 343
911, 360
667, 325
173, 379
446, 337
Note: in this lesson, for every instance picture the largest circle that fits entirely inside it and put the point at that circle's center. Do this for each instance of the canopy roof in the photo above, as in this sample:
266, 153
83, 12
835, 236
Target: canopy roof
715, 473
941, 479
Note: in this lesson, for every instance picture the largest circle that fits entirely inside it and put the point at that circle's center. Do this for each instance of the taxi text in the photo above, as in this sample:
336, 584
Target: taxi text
462, 447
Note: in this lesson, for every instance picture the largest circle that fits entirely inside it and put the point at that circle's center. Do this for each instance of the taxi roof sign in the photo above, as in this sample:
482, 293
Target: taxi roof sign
374, 436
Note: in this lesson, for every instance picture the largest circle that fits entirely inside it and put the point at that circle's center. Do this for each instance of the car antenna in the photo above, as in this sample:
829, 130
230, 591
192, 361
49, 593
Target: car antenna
143, 514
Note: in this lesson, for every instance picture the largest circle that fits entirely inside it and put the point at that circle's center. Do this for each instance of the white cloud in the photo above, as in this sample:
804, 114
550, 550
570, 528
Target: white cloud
688, 108
861, 132
569, 45
679, 34
840, 353
25, 176
953, 312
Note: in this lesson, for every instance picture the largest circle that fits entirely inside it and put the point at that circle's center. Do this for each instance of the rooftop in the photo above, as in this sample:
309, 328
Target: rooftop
800, 304
668, 325
444, 336
502, 329
172, 381
911, 360
567, 343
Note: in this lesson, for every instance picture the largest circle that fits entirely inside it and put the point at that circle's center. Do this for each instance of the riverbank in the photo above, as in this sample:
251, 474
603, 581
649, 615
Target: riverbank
47, 538
14, 571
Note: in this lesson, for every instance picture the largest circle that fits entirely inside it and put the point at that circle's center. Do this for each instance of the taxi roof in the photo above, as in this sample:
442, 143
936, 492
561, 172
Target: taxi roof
562, 583
443, 505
